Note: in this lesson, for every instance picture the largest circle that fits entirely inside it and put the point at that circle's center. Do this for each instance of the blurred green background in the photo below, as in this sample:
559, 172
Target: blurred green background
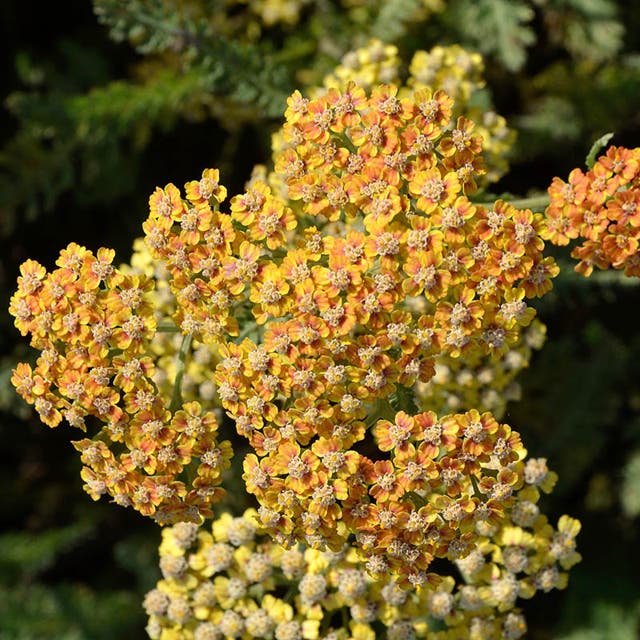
103, 101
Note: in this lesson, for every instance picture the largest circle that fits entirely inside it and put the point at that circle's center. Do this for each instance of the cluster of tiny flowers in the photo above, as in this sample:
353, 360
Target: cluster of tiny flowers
376, 63
485, 383
399, 266
234, 582
321, 311
94, 325
601, 208
452, 69
460, 74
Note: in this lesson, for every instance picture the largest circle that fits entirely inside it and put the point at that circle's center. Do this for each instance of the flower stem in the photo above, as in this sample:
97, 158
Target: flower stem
167, 327
536, 203
476, 488
176, 396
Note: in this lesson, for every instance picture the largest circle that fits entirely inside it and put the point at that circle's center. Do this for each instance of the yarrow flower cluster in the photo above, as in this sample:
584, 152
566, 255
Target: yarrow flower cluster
452, 69
315, 313
94, 326
393, 227
234, 582
600, 207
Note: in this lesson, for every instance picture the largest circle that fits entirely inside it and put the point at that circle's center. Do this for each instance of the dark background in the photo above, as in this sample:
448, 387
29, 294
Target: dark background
71, 568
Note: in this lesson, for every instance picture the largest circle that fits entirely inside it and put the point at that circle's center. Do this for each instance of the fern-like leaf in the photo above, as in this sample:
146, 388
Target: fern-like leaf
499, 28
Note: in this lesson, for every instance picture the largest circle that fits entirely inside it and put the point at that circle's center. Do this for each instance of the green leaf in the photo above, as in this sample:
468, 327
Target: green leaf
608, 620
596, 147
68, 612
497, 27
588, 29
395, 18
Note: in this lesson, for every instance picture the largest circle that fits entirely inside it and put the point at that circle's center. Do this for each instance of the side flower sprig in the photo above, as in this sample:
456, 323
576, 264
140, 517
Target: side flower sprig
601, 209
94, 326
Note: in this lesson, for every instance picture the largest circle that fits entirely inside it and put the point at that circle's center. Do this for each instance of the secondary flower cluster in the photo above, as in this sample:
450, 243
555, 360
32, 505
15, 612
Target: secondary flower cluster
453, 69
423, 498
235, 583
601, 207
93, 325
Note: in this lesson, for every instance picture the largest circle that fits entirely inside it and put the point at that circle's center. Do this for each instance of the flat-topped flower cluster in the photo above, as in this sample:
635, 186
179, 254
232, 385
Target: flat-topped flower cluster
602, 208
324, 312
93, 325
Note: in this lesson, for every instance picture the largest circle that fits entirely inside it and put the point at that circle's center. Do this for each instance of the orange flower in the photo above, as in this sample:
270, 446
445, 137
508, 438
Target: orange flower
325, 497
318, 120
620, 244
623, 208
454, 220
272, 223
299, 467
451, 475
296, 107
460, 139
385, 485
433, 190
347, 105
309, 334
341, 276
465, 314
268, 293
603, 183
435, 434
165, 206
622, 162
434, 108
244, 207
206, 189
591, 220
425, 276
258, 474
395, 436
335, 457
244, 268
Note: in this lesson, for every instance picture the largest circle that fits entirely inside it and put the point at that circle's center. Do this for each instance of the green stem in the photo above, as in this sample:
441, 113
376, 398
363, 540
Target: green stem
344, 138
176, 396
536, 202
167, 327
476, 488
